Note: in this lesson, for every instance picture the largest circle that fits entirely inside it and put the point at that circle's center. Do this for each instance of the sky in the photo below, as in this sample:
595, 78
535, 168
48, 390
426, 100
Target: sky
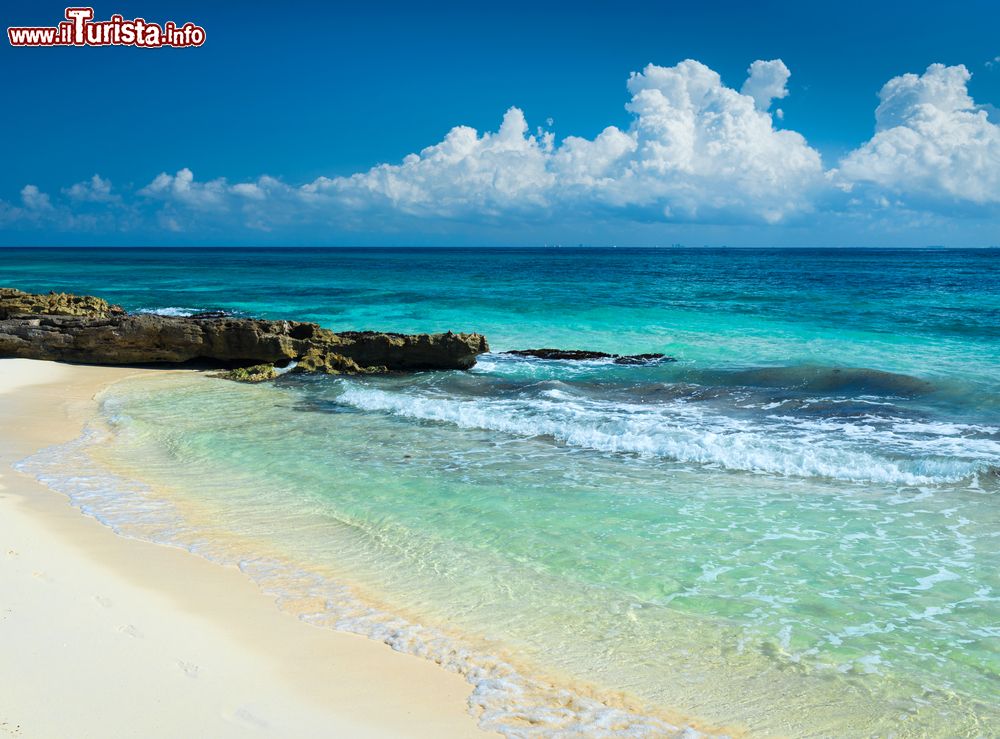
598, 123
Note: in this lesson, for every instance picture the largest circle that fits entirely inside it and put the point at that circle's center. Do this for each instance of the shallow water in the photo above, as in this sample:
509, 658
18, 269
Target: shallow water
792, 530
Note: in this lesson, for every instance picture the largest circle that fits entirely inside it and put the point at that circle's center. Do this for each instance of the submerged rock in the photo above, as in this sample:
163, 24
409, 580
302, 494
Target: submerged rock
257, 373
643, 358
209, 314
88, 330
571, 354
331, 363
582, 354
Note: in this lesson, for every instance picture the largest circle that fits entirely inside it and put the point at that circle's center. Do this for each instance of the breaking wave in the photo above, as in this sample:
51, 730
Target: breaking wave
172, 311
866, 448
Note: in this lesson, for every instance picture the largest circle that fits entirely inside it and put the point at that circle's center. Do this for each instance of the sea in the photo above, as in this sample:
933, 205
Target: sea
793, 529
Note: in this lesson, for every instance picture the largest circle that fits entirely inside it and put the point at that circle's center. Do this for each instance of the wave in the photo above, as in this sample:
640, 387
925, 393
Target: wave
804, 377
865, 449
179, 312
172, 311
850, 380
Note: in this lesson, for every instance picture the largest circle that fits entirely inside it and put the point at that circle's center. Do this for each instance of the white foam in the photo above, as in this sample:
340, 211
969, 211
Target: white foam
685, 432
171, 311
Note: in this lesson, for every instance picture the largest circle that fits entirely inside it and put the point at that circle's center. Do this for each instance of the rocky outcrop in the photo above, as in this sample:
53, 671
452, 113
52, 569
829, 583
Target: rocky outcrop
88, 330
14, 303
582, 354
257, 373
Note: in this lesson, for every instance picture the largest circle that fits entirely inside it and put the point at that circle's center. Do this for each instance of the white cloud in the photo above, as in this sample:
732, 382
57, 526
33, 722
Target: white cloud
37, 210
34, 199
183, 188
249, 190
214, 195
465, 173
694, 152
706, 151
94, 190
696, 149
933, 146
766, 82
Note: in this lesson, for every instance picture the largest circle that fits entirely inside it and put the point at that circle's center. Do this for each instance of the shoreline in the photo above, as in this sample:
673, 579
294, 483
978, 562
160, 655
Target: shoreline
171, 644
540, 696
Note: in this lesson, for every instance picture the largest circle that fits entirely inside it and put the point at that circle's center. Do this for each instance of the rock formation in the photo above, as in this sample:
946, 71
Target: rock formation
88, 330
581, 354
14, 303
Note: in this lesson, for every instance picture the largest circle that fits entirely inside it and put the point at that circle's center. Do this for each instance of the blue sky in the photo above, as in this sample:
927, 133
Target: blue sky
306, 98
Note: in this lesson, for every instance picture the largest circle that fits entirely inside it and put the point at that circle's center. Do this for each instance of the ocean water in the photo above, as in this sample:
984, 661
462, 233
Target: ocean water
792, 530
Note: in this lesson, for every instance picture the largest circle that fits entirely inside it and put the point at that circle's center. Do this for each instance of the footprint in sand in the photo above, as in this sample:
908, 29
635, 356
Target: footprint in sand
189, 668
130, 630
103, 601
242, 717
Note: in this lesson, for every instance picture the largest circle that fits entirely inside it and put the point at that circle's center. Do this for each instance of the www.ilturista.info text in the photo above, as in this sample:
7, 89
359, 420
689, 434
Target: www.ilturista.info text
80, 29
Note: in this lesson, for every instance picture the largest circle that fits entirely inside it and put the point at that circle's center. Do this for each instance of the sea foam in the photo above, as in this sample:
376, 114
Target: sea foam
172, 311
685, 432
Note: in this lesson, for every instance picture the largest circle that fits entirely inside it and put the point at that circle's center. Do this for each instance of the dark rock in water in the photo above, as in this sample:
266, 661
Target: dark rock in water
316, 360
581, 354
643, 358
572, 354
89, 331
257, 373
208, 314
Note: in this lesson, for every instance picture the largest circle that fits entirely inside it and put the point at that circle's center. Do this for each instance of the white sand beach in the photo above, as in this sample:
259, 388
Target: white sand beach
103, 636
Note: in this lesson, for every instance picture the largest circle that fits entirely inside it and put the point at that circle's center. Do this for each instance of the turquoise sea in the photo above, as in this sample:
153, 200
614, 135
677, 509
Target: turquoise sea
792, 530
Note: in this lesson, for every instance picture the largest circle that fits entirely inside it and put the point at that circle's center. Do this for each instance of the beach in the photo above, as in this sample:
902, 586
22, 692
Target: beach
107, 636
776, 517
443, 370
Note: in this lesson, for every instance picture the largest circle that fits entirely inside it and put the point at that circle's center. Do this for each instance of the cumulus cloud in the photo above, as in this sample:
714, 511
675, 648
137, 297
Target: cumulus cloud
94, 190
38, 210
35, 207
465, 173
766, 81
34, 199
259, 205
933, 146
183, 188
695, 151
705, 150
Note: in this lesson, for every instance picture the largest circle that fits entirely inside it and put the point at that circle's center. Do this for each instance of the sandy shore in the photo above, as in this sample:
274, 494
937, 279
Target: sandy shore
103, 636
